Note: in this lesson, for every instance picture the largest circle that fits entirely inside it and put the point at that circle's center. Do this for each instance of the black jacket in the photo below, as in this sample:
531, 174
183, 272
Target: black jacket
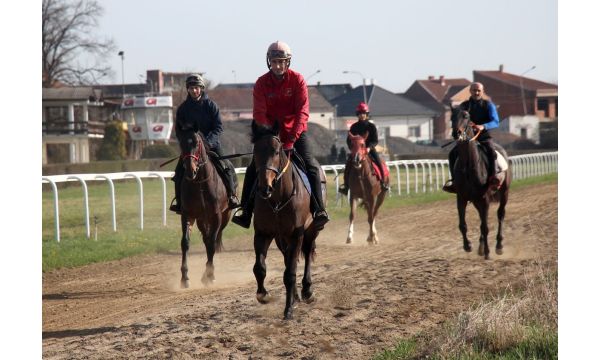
361, 128
202, 116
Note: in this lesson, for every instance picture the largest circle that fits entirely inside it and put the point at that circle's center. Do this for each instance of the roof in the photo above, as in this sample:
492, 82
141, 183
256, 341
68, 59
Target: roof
443, 89
382, 103
331, 91
234, 86
71, 93
515, 80
116, 90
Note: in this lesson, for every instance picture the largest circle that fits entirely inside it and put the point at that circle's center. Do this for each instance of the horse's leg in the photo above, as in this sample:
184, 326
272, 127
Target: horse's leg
308, 249
210, 237
501, 213
461, 205
289, 275
372, 238
378, 202
483, 207
185, 246
261, 246
351, 218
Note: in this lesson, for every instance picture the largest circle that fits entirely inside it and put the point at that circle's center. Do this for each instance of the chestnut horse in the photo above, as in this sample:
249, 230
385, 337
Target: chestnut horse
282, 212
204, 201
363, 184
471, 180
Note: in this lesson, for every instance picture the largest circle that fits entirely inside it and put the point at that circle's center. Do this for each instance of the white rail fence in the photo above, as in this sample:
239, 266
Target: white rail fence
428, 176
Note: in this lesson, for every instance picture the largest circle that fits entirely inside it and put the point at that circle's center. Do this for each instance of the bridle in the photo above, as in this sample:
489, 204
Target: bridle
278, 175
278, 172
463, 134
197, 159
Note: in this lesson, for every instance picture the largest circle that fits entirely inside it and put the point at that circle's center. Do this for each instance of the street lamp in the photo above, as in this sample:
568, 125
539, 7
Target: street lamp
363, 80
523, 90
313, 74
234, 77
122, 55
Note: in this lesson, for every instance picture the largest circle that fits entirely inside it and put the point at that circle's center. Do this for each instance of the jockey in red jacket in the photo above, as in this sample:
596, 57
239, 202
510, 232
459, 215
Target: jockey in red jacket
281, 96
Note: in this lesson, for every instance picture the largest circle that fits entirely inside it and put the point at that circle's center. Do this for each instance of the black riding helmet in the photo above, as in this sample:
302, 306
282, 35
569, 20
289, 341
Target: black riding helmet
194, 80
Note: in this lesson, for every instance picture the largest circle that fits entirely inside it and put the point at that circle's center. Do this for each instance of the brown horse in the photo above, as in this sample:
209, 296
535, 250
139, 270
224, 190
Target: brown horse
471, 180
204, 201
363, 184
282, 212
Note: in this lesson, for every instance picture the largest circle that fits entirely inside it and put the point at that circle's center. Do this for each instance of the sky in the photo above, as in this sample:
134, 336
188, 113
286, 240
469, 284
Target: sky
392, 42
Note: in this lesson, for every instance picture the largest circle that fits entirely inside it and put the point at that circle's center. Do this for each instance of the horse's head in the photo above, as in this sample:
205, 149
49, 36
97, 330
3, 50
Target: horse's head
461, 130
358, 148
269, 158
194, 153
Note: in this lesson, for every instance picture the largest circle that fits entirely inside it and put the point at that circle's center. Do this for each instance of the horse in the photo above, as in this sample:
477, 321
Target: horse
282, 212
203, 201
471, 180
363, 184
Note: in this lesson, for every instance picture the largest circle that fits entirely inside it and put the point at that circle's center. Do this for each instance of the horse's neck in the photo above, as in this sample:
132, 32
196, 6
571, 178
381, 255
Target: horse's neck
208, 170
475, 164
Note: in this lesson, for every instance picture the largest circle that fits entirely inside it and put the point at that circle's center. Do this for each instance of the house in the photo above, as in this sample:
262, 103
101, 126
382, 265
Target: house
440, 94
73, 121
331, 91
393, 114
523, 103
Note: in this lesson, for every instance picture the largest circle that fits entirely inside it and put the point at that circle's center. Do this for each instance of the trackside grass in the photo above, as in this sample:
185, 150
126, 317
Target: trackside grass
75, 249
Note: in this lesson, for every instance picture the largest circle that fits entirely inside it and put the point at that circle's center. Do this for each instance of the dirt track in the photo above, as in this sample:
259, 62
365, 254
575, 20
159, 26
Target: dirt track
367, 297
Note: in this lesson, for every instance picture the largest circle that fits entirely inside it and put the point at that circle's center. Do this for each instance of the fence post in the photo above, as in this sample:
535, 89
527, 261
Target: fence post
112, 199
85, 203
164, 196
56, 217
141, 188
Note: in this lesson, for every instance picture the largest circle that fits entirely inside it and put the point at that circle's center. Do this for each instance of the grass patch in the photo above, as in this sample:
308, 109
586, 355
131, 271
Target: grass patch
519, 323
75, 249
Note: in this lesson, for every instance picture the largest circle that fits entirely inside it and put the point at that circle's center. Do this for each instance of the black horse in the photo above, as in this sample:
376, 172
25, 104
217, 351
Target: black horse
471, 180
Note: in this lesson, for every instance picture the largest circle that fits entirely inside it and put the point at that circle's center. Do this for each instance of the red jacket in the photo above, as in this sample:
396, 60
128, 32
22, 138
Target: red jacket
284, 101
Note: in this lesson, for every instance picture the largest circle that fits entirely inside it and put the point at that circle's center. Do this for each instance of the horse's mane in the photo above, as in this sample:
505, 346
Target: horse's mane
258, 131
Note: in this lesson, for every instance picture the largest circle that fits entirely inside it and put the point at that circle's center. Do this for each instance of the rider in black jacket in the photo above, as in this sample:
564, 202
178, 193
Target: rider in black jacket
198, 113
361, 127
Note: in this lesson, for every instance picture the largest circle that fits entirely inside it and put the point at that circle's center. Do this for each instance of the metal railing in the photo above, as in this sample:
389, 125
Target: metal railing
429, 176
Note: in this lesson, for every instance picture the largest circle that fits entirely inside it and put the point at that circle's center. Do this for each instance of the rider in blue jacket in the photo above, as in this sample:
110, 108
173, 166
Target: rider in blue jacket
483, 117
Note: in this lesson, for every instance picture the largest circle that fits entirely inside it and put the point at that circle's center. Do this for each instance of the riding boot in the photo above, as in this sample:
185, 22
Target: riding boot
176, 202
449, 186
244, 218
384, 184
232, 199
320, 217
343, 189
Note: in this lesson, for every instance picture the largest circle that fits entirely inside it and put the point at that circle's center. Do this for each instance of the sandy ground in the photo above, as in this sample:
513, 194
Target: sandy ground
367, 297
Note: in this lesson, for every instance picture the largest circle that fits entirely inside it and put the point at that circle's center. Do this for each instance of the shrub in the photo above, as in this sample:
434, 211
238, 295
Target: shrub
158, 151
113, 145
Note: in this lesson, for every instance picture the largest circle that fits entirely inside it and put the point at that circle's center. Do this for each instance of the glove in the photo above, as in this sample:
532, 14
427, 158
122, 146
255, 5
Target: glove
288, 146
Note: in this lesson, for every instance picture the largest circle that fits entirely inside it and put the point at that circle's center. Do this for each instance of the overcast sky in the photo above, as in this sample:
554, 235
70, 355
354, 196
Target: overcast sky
394, 42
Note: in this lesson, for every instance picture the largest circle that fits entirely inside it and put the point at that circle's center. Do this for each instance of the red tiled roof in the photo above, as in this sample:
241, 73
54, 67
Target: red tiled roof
443, 92
515, 80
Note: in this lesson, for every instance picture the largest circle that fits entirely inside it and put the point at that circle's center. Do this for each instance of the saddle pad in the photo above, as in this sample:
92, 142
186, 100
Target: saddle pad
303, 177
377, 171
502, 163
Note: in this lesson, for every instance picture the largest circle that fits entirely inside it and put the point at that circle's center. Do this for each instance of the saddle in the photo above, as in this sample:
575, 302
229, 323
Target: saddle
377, 172
221, 166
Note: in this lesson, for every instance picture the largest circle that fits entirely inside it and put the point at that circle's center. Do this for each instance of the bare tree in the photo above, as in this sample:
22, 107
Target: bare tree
71, 53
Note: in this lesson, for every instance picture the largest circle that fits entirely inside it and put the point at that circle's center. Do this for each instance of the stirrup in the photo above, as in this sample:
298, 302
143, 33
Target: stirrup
320, 218
449, 187
343, 189
242, 219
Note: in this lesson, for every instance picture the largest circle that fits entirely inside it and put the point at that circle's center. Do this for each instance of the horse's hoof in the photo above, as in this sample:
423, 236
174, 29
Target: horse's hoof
467, 247
184, 284
263, 298
499, 251
349, 241
487, 256
309, 300
208, 281
480, 250
287, 315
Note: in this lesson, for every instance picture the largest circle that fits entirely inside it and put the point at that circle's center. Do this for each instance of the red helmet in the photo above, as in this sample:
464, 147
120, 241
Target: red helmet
362, 108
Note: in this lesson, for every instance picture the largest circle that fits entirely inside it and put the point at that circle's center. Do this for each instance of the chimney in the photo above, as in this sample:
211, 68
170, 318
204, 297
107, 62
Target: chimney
442, 81
430, 77
501, 68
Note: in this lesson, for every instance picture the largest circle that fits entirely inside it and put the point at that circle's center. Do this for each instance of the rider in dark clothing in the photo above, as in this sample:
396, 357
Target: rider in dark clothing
361, 127
484, 117
198, 113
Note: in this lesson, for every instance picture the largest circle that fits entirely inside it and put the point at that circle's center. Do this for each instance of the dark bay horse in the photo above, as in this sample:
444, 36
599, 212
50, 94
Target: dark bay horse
282, 212
203, 201
363, 184
471, 180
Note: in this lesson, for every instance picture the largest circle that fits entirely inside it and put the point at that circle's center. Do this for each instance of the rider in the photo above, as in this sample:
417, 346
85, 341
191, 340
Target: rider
199, 113
281, 95
483, 117
361, 127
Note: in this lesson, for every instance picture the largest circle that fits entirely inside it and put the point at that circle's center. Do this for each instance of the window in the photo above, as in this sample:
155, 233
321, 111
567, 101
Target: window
414, 131
542, 105
523, 133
